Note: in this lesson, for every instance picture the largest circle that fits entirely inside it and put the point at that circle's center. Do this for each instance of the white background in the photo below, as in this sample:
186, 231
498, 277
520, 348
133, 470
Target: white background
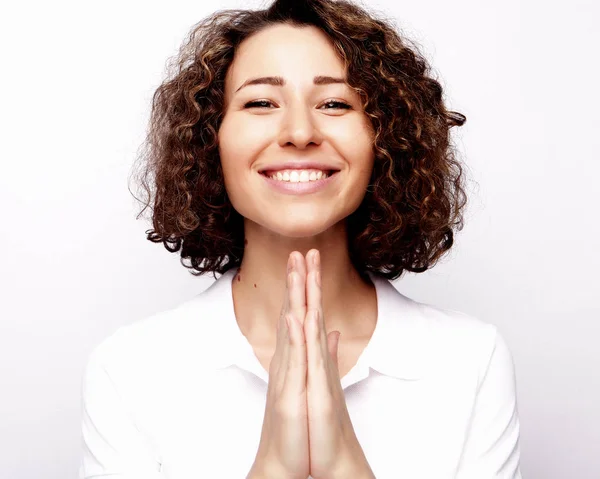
76, 84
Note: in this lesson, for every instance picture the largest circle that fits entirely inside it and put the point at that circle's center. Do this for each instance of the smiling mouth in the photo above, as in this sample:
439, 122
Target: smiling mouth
269, 173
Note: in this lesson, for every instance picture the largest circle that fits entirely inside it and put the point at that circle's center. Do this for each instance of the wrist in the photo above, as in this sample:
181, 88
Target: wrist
354, 472
354, 467
257, 471
265, 470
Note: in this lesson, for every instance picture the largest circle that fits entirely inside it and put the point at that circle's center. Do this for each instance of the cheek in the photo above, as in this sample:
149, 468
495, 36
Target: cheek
239, 146
354, 142
241, 139
357, 149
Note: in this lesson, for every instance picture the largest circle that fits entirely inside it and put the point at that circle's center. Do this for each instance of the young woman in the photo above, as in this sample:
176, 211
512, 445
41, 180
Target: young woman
303, 153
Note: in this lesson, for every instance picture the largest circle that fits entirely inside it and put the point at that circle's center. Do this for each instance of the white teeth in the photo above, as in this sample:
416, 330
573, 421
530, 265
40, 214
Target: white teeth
299, 177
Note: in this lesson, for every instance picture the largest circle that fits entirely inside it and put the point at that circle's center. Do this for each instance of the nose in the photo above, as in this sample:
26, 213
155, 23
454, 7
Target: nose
299, 127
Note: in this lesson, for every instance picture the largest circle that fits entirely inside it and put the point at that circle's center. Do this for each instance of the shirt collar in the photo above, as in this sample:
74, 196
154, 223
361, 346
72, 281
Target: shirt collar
398, 347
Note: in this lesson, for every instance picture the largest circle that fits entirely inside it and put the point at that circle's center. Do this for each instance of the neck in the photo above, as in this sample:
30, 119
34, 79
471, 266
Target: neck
259, 287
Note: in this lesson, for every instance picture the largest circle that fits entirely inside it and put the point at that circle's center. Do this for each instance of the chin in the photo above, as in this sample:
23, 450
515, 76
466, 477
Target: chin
297, 229
294, 222
300, 231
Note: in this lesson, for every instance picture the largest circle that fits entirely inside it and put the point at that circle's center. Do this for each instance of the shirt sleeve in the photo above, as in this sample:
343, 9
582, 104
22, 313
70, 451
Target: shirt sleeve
492, 449
113, 446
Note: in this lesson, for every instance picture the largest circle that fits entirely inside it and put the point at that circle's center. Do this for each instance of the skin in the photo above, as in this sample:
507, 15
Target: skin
298, 122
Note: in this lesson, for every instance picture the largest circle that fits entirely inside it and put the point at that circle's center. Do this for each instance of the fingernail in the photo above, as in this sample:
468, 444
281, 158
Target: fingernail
315, 258
291, 263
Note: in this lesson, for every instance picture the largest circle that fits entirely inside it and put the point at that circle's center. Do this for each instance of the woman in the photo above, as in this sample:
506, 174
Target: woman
303, 153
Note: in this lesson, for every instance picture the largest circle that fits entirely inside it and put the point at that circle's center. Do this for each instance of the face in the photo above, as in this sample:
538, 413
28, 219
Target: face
267, 124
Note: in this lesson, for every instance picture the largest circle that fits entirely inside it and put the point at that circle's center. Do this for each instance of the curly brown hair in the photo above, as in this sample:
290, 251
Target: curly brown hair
415, 196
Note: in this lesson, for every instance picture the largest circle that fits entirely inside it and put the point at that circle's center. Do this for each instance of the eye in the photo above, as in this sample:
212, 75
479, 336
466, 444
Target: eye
265, 103
340, 104
250, 104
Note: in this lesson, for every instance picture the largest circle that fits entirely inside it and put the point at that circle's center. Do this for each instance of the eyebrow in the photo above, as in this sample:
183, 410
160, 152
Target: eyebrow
280, 81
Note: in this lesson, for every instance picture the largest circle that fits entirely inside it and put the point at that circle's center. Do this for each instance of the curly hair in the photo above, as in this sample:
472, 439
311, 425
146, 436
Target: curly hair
415, 195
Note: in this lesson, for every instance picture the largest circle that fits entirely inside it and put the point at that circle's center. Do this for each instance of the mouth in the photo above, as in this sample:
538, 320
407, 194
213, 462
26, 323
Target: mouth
269, 173
301, 187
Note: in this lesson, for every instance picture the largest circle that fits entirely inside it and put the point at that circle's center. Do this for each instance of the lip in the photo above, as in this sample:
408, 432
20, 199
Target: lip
300, 165
300, 187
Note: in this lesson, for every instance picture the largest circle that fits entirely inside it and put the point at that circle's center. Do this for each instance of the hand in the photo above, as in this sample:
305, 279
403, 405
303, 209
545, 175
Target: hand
333, 445
283, 448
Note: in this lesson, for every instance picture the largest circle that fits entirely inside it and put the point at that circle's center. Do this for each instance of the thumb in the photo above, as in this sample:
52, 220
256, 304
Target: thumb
333, 341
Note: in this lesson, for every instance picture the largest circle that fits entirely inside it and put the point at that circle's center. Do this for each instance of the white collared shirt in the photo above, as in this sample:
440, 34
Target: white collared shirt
181, 395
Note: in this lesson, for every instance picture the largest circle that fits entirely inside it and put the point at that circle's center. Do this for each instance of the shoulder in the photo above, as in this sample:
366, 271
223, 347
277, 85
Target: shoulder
434, 326
146, 367
461, 341
446, 342
155, 344
456, 328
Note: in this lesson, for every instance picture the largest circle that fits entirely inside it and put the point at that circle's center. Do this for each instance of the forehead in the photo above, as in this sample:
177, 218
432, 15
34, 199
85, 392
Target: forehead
295, 53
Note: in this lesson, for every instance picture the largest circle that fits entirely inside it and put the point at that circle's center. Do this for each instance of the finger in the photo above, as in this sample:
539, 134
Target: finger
282, 330
286, 336
298, 293
314, 300
295, 378
317, 366
333, 342
282, 347
312, 293
295, 300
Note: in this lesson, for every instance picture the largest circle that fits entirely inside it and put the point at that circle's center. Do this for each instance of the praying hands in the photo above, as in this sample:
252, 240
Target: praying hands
307, 428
